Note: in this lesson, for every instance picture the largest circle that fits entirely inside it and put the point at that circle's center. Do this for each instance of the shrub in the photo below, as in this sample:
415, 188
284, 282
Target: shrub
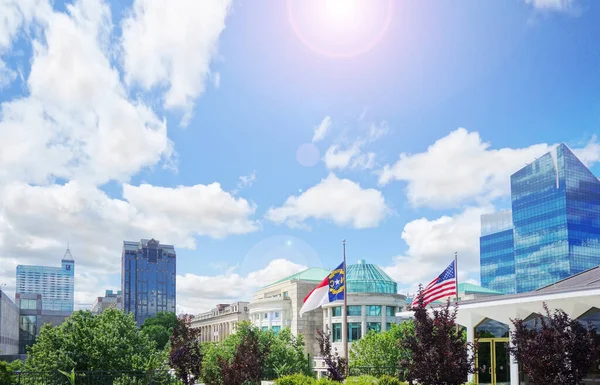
326, 381
295, 379
362, 380
389, 380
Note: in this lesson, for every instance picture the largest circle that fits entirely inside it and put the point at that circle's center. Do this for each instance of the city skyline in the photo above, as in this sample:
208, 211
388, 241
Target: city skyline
255, 146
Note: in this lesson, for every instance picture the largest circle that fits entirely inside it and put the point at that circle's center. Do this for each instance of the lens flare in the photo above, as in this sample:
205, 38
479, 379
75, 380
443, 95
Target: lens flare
340, 28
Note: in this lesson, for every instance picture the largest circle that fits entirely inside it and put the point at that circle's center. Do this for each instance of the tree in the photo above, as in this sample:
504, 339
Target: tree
185, 355
381, 352
285, 356
336, 366
438, 352
159, 328
560, 353
246, 367
110, 341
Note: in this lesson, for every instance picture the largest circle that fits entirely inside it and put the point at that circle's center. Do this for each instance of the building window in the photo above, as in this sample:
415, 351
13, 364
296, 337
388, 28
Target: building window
285, 294
376, 326
354, 331
336, 333
337, 311
374, 310
354, 310
276, 329
390, 311
265, 328
276, 315
266, 315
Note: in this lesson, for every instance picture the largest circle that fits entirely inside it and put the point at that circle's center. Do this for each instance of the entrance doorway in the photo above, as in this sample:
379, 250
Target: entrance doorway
493, 362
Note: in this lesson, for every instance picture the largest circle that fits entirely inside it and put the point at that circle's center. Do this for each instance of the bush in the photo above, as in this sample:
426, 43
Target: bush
295, 379
389, 380
326, 381
362, 380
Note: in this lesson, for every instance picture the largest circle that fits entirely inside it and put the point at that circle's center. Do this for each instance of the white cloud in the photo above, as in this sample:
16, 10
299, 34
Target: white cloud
353, 156
431, 248
216, 79
341, 201
171, 43
589, 154
77, 121
321, 129
197, 293
459, 168
552, 5
247, 180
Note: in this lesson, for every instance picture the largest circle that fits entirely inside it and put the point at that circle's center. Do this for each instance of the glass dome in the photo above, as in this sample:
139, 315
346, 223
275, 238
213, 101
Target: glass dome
367, 278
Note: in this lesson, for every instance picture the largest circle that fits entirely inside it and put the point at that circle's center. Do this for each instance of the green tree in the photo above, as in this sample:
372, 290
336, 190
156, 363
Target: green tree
110, 341
246, 366
381, 353
286, 355
185, 356
159, 328
6, 374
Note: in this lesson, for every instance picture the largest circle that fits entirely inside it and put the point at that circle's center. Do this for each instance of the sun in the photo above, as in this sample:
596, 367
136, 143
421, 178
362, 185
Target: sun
346, 12
340, 28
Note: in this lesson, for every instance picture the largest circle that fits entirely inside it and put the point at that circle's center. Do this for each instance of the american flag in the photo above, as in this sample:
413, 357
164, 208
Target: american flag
443, 286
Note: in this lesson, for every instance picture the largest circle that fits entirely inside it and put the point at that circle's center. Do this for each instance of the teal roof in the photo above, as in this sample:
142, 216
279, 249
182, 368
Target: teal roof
368, 278
313, 274
469, 288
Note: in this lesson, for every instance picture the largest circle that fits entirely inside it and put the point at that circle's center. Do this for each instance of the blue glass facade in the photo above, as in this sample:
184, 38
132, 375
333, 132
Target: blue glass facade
496, 249
556, 223
56, 285
148, 278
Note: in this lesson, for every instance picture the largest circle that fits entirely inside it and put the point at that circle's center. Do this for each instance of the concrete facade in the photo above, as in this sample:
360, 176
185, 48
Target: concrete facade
220, 322
9, 326
277, 306
111, 300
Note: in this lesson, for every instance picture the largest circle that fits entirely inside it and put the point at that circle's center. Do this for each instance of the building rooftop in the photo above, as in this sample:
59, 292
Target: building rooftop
315, 274
368, 278
470, 288
135, 245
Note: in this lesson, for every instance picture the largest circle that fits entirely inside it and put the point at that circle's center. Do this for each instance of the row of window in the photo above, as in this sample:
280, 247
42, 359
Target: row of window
355, 330
371, 310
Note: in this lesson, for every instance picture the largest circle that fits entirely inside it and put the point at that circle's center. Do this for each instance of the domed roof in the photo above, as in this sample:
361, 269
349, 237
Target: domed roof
368, 278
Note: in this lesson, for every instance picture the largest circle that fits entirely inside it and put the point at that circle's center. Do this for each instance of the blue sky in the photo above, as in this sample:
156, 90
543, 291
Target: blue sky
256, 136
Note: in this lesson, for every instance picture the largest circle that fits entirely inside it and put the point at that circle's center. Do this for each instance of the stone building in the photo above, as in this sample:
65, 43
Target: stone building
220, 322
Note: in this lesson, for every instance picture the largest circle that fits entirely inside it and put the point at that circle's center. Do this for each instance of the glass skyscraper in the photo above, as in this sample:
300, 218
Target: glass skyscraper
555, 226
54, 284
148, 278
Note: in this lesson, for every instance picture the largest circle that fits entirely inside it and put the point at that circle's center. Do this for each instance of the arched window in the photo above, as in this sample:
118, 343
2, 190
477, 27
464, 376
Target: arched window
591, 316
534, 321
489, 328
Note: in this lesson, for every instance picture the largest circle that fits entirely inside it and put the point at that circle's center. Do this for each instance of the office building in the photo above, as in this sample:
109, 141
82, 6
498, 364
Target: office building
220, 322
111, 300
555, 229
373, 301
32, 315
9, 326
55, 284
147, 278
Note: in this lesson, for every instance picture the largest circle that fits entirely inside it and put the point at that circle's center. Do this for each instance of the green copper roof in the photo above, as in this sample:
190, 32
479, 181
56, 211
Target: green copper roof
368, 278
469, 288
313, 274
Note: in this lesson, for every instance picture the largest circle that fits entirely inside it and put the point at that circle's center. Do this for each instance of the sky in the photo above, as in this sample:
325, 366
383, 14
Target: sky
256, 136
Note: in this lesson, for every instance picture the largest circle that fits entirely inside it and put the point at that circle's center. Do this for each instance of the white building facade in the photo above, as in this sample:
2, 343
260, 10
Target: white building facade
488, 320
220, 322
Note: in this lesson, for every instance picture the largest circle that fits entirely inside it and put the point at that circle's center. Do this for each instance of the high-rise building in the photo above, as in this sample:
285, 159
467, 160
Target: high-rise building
55, 284
555, 226
147, 278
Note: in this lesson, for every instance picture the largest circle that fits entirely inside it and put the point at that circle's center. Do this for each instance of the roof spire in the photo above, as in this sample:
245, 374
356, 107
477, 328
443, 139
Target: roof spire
68, 254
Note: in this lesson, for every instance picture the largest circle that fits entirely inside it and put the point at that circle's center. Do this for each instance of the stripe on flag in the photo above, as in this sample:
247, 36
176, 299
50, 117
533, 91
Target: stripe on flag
443, 286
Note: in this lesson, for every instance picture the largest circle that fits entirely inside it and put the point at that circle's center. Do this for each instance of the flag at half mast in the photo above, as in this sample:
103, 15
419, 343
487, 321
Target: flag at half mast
442, 286
332, 288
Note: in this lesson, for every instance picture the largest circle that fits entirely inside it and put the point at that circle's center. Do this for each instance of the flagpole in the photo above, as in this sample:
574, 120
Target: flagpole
345, 314
456, 281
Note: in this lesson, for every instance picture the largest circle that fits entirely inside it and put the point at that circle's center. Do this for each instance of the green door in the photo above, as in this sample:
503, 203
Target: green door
484, 363
493, 362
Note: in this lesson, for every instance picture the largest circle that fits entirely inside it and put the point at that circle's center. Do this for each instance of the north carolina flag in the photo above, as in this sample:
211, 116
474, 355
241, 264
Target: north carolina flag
332, 288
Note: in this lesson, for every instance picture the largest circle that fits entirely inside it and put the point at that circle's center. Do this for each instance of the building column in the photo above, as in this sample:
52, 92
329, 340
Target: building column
363, 321
384, 318
330, 323
514, 365
471, 339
